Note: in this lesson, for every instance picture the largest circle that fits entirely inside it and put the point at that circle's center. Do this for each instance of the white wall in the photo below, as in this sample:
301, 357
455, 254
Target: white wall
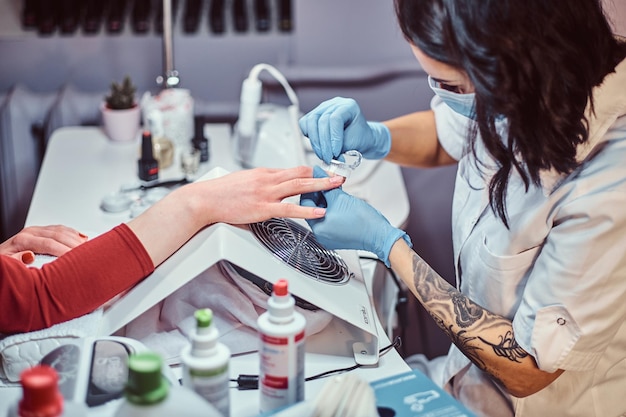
616, 11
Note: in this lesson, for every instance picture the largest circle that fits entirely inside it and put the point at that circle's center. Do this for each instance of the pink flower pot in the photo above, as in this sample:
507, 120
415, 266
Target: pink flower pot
121, 125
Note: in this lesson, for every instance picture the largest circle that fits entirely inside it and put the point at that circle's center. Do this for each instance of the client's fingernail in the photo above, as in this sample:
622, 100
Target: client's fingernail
28, 257
319, 211
336, 179
82, 235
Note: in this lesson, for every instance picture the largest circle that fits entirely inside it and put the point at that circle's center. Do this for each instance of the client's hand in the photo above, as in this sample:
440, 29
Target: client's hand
240, 197
351, 223
254, 195
50, 240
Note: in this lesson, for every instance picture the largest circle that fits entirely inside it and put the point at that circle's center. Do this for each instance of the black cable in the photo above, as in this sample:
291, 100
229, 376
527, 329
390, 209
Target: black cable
334, 371
402, 299
250, 382
395, 278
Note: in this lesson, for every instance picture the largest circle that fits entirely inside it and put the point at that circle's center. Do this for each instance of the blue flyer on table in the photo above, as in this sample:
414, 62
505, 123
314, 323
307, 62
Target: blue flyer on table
413, 394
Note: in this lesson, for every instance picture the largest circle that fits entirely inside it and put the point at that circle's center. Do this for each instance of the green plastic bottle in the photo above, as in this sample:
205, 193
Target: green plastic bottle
148, 393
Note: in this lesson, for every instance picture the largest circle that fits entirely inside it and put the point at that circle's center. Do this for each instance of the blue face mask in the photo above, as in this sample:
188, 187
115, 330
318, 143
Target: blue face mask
461, 103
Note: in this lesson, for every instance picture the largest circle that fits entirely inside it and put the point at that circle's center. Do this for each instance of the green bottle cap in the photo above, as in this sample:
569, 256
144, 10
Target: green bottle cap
204, 317
145, 384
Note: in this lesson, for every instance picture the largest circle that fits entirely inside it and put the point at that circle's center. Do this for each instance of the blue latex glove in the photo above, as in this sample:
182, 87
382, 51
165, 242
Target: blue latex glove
337, 125
351, 223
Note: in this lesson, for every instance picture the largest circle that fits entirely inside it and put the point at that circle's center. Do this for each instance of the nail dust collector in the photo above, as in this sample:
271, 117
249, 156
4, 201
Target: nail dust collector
273, 249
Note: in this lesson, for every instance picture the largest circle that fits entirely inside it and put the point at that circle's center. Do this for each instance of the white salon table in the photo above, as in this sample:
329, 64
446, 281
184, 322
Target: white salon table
82, 165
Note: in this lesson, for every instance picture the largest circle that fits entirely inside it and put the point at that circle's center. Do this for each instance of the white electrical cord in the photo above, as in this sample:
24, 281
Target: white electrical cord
257, 69
250, 99
251, 96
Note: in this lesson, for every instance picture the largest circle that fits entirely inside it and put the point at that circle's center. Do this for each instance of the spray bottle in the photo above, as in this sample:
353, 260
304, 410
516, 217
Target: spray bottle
149, 394
41, 396
281, 330
205, 363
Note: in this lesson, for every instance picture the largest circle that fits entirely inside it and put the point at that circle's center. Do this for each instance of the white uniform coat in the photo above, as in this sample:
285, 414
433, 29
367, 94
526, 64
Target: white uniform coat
559, 272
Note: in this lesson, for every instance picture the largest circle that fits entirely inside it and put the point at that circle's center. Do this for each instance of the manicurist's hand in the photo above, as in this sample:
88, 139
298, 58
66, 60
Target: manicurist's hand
351, 223
49, 240
337, 126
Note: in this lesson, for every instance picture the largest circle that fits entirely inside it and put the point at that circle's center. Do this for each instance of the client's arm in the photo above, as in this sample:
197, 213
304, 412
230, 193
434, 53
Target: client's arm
72, 285
92, 273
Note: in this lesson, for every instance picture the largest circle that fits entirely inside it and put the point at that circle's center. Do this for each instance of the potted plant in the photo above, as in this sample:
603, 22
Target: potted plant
121, 114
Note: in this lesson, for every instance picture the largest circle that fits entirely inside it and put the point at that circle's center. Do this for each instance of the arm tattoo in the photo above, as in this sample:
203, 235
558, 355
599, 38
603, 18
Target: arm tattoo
507, 348
466, 313
425, 278
462, 341
437, 295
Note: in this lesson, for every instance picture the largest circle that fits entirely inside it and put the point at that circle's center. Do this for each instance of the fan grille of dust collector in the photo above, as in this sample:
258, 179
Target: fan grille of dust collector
297, 247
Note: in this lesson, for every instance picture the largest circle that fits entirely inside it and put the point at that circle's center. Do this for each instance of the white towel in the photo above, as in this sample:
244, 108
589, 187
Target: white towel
23, 350
236, 303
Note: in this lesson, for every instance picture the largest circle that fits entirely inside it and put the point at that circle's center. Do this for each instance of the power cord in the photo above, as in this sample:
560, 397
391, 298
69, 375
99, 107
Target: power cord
250, 382
250, 99
402, 299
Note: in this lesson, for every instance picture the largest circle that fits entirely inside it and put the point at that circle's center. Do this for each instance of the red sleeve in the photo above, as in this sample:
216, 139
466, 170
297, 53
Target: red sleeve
72, 285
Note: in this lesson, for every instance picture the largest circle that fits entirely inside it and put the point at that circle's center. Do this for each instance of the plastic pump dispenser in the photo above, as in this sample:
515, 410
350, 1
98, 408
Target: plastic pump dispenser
282, 331
148, 393
205, 363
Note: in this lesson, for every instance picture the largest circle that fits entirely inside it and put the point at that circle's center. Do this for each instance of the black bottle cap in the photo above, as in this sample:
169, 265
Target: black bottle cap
200, 142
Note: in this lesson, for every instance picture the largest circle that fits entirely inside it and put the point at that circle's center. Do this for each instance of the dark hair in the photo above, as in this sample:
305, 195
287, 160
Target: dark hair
533, 61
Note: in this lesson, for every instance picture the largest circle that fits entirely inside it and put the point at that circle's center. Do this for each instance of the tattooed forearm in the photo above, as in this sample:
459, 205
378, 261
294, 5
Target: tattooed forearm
461, 340
484, 337
423, 277
432, 287
436, 294
507, 348
471, 350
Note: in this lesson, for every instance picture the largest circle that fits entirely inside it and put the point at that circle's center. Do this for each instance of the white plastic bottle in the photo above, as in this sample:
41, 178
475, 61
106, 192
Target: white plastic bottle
149, 394
205, 363
281, 330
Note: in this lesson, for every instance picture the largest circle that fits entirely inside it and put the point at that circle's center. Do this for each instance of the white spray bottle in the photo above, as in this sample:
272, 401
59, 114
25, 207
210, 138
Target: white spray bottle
281, 330
205, 363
